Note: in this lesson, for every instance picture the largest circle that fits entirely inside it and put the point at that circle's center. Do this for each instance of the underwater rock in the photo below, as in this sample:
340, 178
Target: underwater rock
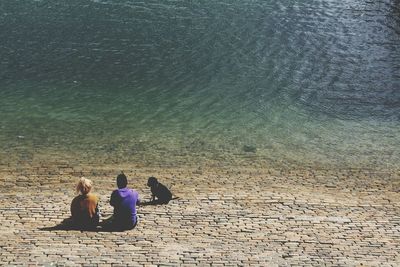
247, 148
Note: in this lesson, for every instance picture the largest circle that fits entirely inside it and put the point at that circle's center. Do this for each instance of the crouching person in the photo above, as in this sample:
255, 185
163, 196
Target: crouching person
84, 207
124, 201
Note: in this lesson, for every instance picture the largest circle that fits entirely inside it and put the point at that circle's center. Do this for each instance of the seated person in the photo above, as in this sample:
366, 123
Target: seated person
159, 191
124, 201
84, 207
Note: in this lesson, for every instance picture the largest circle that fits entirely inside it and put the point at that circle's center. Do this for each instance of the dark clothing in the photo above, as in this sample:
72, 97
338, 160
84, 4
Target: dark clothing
124, 201
85, 212
162, 193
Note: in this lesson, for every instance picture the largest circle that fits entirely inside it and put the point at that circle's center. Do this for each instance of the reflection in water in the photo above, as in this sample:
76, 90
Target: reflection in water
311, 82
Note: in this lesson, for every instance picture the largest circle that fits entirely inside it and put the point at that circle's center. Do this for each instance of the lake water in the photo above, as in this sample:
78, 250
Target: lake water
304, 83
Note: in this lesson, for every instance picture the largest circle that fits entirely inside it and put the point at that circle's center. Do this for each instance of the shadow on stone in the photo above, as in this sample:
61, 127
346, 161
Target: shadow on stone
67, 225
154, 202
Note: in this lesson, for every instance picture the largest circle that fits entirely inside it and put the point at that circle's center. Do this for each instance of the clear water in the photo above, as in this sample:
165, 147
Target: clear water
185, 82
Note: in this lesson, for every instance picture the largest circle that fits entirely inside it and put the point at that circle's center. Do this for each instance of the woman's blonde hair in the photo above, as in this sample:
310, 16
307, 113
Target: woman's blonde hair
84, 186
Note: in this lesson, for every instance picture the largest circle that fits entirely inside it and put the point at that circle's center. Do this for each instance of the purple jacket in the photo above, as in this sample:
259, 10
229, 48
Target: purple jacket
124, 201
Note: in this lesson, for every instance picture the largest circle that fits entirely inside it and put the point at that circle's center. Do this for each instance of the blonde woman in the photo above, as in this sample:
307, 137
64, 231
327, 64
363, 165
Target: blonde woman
84, 207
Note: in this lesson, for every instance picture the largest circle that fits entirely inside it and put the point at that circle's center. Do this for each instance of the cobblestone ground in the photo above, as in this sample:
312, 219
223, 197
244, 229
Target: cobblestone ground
223, 217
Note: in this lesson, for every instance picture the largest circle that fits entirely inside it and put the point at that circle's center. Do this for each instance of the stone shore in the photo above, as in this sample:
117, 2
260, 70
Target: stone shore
223, 217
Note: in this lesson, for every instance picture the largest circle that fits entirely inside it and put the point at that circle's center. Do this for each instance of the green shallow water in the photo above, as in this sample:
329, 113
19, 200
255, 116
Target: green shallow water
106, 126
224, 82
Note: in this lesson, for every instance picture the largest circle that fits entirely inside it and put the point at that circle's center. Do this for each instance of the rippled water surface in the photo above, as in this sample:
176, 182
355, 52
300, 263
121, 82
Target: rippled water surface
299, 82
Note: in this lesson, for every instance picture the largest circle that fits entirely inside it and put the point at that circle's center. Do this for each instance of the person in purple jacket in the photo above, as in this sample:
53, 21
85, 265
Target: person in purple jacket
124, 201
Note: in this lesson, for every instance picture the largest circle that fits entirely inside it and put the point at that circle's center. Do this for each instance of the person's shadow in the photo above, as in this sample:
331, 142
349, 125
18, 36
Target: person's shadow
68, 225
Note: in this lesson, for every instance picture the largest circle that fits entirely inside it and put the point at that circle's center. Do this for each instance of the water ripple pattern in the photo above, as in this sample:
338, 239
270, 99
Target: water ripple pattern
308, 81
